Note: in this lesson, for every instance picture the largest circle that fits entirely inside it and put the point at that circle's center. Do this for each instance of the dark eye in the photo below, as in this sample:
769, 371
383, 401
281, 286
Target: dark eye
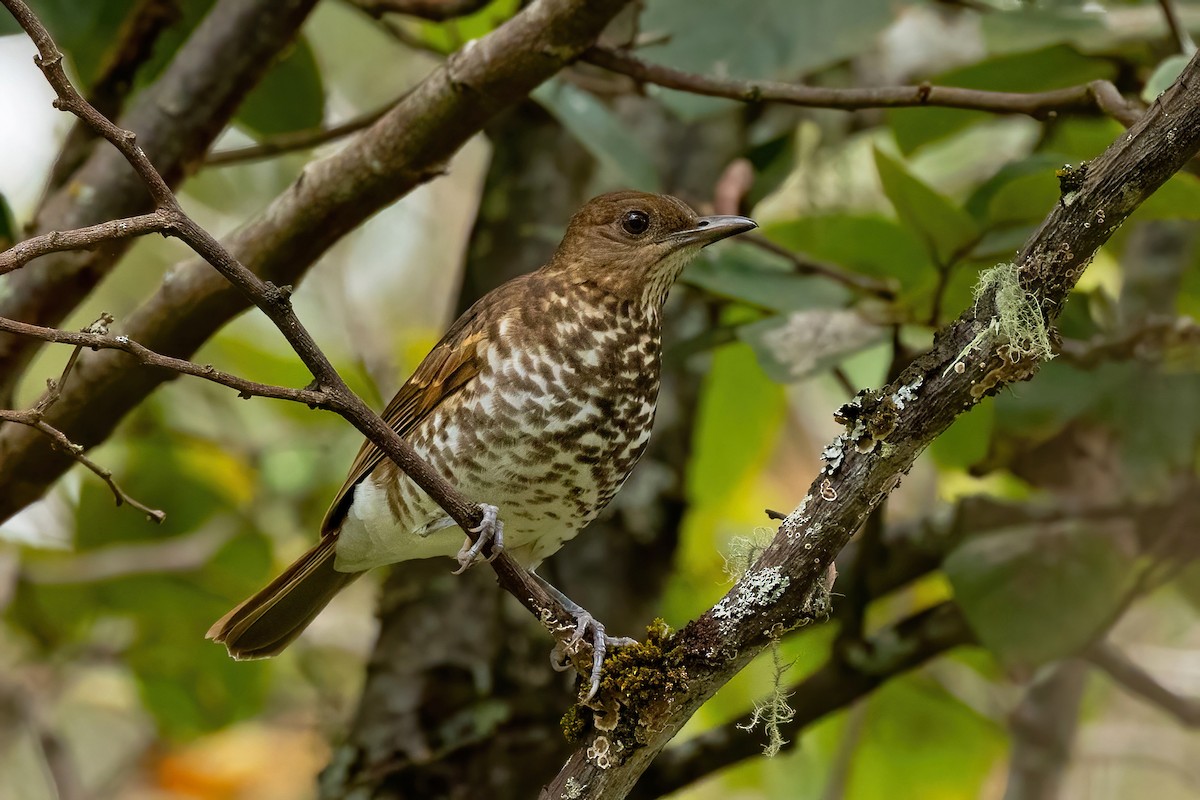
635, 223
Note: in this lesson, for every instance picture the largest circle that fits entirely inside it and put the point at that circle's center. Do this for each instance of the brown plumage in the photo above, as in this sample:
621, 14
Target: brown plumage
539, 400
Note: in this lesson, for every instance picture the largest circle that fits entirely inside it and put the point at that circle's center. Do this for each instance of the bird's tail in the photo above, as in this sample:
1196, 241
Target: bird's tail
262, 625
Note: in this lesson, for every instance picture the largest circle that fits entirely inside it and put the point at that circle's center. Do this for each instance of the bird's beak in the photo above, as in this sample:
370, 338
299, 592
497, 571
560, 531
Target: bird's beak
714, 229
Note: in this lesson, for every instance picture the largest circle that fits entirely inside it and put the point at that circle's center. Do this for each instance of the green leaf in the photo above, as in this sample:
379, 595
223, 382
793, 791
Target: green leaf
449, 36
1034, 71
1163, 76
980, 204
947, 230
290, 97
797, 345
968, 439
1178, 198
750, 275
762, 39
872, 245
613, 144
1037, 594
920, 742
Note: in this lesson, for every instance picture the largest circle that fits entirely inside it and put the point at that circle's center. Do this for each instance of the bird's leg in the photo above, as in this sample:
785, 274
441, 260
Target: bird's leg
601, 641
490, 529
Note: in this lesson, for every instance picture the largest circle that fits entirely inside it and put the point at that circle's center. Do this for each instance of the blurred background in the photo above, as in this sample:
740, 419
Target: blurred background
1018, 620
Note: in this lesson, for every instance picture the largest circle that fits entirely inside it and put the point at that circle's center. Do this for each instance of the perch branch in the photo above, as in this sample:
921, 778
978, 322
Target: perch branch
787, 585
1117, 665
274, 302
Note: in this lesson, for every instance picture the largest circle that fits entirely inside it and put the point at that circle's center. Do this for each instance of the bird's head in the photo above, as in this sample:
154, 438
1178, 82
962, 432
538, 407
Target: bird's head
635, 244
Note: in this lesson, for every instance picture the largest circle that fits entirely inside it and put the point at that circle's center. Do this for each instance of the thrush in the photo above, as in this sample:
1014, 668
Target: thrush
536, 404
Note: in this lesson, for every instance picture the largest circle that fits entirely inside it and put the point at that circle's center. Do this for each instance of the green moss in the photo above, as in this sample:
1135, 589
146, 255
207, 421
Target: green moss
573, 724
643, 673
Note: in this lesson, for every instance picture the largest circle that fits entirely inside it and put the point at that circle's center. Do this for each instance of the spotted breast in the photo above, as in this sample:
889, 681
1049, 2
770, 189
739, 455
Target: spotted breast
548, 430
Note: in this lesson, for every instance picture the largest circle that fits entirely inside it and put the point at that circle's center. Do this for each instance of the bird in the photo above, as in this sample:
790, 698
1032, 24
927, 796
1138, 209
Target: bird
536, 404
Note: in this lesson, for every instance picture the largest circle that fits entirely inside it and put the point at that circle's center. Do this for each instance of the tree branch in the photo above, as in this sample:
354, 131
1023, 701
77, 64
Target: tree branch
835, 685
403, 149
291, 142
176, 119
1082, 99
275, 303
22, 253
785, 586
1108, 658
1178, 30
315, 398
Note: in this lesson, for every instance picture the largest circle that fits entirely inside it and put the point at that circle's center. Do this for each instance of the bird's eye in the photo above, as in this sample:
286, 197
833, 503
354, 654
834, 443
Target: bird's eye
635, 223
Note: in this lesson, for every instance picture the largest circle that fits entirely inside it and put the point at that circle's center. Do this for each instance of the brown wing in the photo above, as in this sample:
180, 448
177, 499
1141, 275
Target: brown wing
450, 366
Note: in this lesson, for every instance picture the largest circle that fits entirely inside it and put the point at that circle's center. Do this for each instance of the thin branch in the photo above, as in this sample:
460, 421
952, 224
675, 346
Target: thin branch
274, 302
432, 10
1081, 99
315, 398
33, 418
22, 253
1178, 30
298, 140
134, 45
1117, 665
805, 265
1149, 342
176, 117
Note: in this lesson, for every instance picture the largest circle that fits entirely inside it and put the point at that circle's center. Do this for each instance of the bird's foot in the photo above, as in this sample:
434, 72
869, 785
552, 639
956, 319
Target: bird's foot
600, 641
490, 529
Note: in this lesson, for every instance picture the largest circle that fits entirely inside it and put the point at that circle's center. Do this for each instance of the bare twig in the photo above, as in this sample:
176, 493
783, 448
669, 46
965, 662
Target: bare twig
33, 418
1082, 99
133, 47
806, 265
22, 253
291, 142
1178, 30
315, 398
1137, 681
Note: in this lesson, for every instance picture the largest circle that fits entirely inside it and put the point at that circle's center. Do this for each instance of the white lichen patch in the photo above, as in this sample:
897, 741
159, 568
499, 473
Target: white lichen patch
907, 393
833, 453
574, 789
755, 591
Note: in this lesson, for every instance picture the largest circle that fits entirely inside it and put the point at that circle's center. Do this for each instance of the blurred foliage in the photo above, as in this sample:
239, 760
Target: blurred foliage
916, 200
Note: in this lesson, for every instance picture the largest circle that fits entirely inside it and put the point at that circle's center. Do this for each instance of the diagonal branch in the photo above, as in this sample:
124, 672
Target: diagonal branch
176, 119
1117, 665
785, 587
409, 145
275, 303
1085, 98
291, 142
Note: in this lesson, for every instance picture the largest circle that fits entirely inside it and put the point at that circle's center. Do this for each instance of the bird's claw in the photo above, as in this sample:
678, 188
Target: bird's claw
600, 641
490, 529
